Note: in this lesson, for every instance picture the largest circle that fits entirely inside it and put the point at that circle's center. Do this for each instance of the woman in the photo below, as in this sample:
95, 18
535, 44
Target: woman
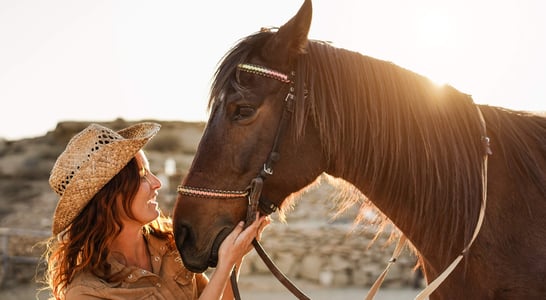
110, 239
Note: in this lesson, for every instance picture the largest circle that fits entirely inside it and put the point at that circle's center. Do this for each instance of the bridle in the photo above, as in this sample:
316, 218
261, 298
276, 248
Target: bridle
254, 189
265, 206
256, 202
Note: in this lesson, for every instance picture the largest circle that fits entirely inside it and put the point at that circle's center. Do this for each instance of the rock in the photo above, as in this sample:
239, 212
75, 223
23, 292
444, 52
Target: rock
311, 266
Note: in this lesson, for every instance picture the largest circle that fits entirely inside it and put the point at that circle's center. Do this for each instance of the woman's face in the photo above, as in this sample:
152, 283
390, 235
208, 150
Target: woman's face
145, 207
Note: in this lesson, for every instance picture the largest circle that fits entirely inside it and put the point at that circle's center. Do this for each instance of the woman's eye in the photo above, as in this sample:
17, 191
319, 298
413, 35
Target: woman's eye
244, 112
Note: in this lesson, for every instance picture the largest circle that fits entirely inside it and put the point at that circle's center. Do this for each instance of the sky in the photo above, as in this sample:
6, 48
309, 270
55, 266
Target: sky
98, 60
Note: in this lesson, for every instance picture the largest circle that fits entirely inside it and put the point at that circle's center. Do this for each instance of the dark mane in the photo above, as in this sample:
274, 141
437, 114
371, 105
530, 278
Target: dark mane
416, 140
516, 135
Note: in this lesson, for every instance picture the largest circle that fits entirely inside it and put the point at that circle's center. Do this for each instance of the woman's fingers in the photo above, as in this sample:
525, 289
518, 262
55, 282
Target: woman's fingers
238, 229
239, 242
231, 239
264, 223
259, 224
252, 232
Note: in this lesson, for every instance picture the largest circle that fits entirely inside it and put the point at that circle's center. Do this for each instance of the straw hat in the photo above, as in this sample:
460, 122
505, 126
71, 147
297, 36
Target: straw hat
90, 160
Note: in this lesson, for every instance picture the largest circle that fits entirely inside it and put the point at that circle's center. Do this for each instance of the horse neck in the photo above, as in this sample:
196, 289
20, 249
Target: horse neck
426, 181
412, 147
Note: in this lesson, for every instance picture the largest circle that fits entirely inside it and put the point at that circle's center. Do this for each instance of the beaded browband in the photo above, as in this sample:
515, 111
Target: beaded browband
263, 71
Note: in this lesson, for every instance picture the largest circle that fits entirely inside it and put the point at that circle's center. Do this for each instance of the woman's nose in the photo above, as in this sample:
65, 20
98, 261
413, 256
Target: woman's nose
156, 182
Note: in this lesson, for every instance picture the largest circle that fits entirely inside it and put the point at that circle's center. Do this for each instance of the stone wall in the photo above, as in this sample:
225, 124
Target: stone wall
331, 255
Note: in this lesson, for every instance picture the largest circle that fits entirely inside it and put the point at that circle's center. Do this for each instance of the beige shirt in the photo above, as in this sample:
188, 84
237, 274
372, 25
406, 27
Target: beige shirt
169, 279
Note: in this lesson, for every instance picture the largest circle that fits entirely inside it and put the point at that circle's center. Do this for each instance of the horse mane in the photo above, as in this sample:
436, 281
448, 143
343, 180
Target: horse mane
516, 136
418, 144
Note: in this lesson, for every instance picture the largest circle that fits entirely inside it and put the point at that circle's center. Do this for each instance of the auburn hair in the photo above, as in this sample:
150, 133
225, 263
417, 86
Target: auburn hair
83, 246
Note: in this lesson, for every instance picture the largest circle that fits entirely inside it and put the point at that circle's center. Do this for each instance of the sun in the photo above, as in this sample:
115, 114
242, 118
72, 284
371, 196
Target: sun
435, 30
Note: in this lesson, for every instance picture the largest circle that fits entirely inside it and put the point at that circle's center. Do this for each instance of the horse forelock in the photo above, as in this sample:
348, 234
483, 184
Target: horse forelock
224, 77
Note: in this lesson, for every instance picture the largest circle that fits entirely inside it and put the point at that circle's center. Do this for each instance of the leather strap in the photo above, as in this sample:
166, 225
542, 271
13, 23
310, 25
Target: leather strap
273, 269
377, 284
234, 285
278, 273
255, 189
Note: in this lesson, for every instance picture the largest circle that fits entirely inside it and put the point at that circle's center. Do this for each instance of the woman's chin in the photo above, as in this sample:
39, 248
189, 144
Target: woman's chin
152, 204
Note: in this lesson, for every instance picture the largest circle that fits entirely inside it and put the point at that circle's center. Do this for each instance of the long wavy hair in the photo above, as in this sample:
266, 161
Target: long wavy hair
83, 246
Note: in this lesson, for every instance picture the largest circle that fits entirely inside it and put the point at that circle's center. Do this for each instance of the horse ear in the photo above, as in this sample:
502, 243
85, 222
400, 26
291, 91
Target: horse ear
291, 38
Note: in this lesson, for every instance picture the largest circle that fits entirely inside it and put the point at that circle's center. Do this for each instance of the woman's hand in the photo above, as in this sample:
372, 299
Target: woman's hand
239, 242
232, 250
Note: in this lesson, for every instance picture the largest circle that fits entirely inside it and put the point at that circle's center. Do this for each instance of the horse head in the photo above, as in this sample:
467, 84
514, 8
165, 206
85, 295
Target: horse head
251, 132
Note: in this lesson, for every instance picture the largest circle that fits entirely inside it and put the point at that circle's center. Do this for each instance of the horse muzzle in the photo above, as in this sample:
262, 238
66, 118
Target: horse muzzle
201, 224
198, 257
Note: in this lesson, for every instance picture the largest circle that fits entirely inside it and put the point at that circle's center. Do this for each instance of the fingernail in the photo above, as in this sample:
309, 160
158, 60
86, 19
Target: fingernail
241, 223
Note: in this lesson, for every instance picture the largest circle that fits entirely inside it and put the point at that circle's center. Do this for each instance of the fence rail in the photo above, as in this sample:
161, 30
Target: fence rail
7, 259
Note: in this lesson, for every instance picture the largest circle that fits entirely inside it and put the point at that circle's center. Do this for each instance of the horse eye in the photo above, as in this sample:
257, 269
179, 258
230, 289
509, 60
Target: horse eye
244, 112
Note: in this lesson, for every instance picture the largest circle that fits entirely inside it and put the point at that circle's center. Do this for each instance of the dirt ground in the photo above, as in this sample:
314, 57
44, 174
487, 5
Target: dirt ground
329, 294
257, 288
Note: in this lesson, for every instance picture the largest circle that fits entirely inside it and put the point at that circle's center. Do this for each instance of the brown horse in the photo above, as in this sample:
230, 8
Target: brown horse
415, 149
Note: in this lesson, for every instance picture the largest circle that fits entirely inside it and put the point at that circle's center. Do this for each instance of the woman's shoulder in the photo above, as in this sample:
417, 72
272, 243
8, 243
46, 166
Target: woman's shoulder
85, 278
85, 285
